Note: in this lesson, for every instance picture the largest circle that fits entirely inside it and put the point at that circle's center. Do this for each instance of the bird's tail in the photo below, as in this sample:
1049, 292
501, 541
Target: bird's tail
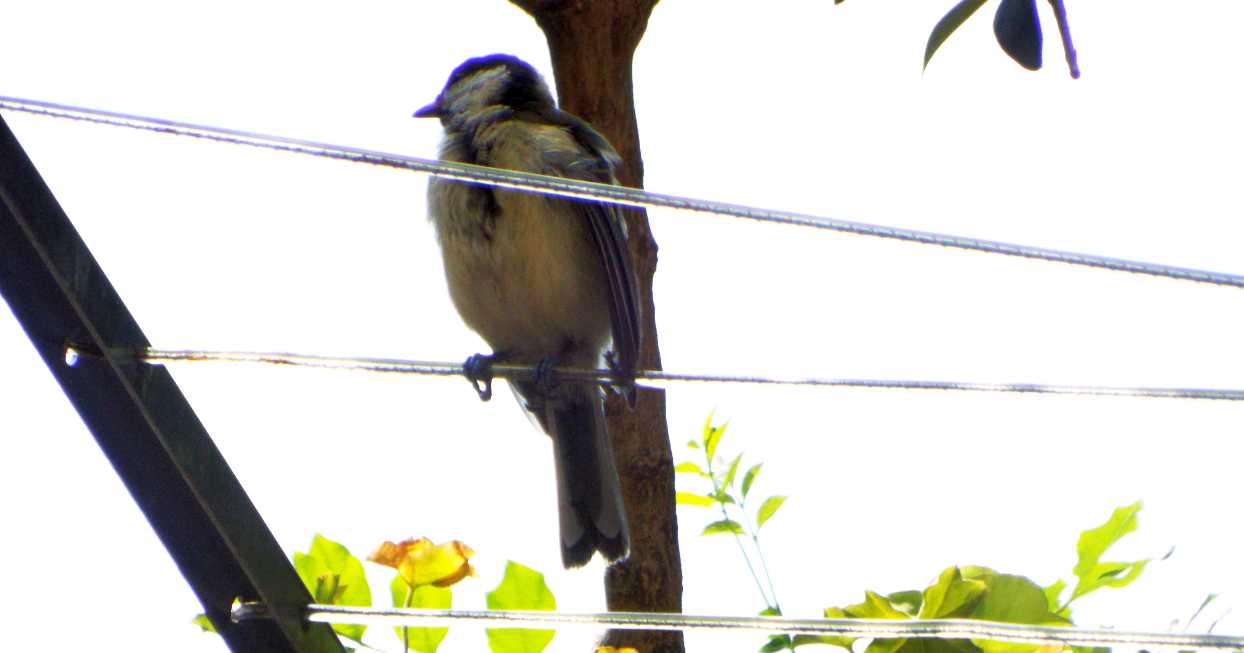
589, 495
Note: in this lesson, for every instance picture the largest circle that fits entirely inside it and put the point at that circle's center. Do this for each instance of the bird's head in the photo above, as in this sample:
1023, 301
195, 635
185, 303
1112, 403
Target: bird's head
496, 80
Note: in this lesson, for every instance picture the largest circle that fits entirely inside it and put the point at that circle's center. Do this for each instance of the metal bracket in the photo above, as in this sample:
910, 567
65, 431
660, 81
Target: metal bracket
142, 421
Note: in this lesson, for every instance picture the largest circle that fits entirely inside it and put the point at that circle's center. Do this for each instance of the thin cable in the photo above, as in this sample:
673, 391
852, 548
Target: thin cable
613, 194
874, 628
652, 378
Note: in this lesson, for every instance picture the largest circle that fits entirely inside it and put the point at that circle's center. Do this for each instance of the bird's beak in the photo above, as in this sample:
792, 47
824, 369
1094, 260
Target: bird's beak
431, 111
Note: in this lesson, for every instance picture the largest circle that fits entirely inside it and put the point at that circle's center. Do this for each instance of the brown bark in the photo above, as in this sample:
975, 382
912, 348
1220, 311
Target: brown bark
592, 44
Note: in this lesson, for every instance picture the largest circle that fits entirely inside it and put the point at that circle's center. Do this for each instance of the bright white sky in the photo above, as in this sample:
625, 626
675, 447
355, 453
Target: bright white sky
800, 105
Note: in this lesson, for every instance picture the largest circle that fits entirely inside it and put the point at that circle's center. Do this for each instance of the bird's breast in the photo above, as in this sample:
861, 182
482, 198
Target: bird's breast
525, 274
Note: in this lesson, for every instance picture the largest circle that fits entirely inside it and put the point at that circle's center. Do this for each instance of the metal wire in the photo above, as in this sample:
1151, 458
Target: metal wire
654, 378
855, 628
613, 194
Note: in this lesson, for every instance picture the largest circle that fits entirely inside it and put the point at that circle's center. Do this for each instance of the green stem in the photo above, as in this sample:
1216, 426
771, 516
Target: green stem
737, 539
410, 598
764, 566
755, 535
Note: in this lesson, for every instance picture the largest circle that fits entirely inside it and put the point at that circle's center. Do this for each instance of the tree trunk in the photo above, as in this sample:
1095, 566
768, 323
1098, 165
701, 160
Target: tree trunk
592, 44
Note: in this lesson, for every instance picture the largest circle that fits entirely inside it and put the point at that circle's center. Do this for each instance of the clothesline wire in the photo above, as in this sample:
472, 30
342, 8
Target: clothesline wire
620, 195
855, 628
940, 629
651, 378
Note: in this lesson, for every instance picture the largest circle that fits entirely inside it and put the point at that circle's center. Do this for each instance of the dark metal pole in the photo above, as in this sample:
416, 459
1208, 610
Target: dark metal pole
142, 421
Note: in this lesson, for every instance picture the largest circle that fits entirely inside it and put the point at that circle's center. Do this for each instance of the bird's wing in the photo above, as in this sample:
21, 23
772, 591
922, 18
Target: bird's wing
608, 228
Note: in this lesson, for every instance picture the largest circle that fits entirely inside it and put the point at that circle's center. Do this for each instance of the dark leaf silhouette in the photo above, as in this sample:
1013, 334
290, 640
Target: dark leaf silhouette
948, 24
1019, 31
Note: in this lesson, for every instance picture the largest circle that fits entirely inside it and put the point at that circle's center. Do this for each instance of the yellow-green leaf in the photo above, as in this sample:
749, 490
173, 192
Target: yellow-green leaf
733, 469
749, 477
1053, 596
689, 468
690, 499
712, 437
1011, 599
776, 643
768, 509
203, 622
952, 596
876, 606
421, 640
1094, 541
335, 577
831, 640
522, 588
723, 526
907, 601
1093, 574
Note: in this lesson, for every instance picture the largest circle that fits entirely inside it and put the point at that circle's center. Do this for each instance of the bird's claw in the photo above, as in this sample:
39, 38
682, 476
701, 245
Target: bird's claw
478, 370
624, 381
543, 373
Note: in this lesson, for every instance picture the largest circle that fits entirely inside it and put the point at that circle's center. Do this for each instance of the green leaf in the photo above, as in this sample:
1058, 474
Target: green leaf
831, 640
768, 509
522, 588
689, 468
1053, 598
203, 622
723, 526
908, 601
931, 646
951, 596
876, 606
734, 468
776, 643
316, 576
692, 444
1011, 599
422, 640
948, 24
334, 577
712, 437
749, 477
1091, 573
1094, 541
690, 499
1109, 574
886, 645
723, 497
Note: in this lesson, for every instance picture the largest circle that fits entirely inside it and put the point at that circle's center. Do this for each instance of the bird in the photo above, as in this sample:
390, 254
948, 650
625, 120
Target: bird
543, 280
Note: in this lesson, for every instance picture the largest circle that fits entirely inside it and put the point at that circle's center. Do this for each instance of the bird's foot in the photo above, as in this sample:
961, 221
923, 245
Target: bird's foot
478, 370
624, 381
543, 376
